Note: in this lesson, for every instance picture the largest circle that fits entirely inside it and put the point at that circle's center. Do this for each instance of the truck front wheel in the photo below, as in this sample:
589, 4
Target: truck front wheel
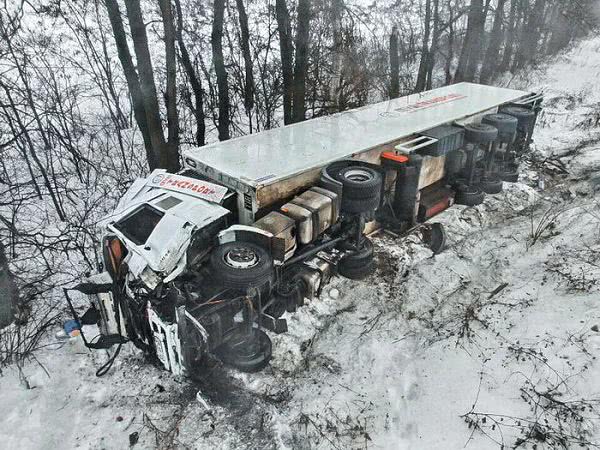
242, 265
246, 351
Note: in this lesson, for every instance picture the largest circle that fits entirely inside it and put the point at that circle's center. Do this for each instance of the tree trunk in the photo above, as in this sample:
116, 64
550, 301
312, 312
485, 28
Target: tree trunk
301, 61
248, 67
131, 76
530, 36
219, 62
490, 62
476, 40
394, 64
146, 77
424, 64
467, 47
335, 84
560, 37
194, 79
169, 159
287, 55
434, 44
510, 37
9, 293
450, 57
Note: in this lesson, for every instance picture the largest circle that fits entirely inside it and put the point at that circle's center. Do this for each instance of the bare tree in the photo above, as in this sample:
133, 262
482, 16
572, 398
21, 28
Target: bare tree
169, 158
337, 54
424, 64
510, 37
286, 49
530, 35
194, 80
490, 61
394, 64
471, 50
146, 77
431, 54
248, 65
133, 82
221, 72
9, 293
301, 60
141, 82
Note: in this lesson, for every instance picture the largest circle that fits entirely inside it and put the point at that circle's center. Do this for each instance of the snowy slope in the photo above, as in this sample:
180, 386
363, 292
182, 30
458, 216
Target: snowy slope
493, 342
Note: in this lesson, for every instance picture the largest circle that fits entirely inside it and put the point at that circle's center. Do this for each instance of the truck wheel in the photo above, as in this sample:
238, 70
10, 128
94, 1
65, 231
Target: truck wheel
510, 176
246, 352
523, 115
356, 273
469, 196
360, 182
358, 264
241, 265
480, 133
359, 206
491, 185
504, 123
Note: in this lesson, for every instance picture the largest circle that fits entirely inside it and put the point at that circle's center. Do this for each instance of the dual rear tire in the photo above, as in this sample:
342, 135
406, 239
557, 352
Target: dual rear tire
361, 189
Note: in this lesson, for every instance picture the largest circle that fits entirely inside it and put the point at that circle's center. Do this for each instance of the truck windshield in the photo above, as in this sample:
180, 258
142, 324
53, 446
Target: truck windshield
139, 225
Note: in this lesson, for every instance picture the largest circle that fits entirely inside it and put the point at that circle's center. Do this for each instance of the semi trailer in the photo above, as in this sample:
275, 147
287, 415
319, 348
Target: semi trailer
209, 260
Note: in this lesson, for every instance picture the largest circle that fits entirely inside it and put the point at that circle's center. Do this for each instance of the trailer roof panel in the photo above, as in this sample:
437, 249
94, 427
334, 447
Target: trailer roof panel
273, 155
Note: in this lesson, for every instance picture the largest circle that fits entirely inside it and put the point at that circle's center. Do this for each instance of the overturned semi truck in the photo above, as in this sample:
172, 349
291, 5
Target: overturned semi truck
204, 261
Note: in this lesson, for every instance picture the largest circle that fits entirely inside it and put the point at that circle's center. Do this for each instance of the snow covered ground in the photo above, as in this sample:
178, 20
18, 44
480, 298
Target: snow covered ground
493, 342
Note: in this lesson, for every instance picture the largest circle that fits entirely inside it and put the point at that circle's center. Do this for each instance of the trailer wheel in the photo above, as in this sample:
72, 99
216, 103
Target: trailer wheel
359, 182
480, 133
358, 264
468, 196
523, 115
247, 352
510, 176
504, 123
491, 185
242, 265
356, 273
359, 206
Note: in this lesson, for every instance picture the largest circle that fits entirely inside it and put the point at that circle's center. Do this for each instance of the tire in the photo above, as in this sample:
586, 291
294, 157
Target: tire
469, 196
358, 264
246, 353
480, 133
509, 176
524, 116
359, 206
360, 182
357, 258
242, 265
504, 123
491, 186
356, 273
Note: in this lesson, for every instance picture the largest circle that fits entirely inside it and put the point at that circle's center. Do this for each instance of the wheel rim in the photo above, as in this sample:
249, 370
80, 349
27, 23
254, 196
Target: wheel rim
358, 175
241, 258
